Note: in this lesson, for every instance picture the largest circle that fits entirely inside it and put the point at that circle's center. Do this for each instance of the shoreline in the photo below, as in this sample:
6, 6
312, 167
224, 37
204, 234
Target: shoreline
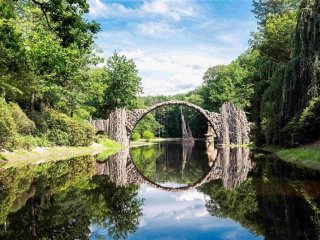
143, 142
47, 154
305, 156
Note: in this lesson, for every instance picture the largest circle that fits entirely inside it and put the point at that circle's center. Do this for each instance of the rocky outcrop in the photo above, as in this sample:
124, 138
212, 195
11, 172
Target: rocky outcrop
235, 127
117, 126
100, 125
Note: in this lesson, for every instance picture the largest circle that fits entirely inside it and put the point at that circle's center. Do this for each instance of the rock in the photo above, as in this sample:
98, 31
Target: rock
117, 126
235, 127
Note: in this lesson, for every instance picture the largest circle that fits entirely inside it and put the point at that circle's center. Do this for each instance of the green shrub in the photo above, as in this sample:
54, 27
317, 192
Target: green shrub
59, 137
309, 121
8, 127
25, 142
135, 136
24, 124
148, 135
305, 128
63, 130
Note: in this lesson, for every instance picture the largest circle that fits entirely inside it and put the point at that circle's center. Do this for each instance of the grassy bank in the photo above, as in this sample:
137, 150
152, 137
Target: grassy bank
302, 156
104, 146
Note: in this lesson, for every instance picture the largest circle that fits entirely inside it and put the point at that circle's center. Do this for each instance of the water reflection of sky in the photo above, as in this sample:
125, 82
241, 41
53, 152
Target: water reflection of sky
181, 215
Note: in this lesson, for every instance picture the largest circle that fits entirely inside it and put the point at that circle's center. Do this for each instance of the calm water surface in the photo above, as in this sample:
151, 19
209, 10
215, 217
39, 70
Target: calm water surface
164, 191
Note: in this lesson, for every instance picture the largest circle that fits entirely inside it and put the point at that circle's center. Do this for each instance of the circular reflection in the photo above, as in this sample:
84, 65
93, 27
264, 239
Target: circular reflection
230, 165
174, 165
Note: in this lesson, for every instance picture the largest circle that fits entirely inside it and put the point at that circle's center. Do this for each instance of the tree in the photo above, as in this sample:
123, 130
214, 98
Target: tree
65, 19
230, 82
46, 50
292, 82
123, 83
262, 8
148, 122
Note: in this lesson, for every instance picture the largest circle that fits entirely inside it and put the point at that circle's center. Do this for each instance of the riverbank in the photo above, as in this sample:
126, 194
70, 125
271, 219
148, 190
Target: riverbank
103, 146
305, 156
144, 142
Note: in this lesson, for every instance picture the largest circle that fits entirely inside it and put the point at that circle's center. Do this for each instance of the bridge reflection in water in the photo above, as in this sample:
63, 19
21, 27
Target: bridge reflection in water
231, 165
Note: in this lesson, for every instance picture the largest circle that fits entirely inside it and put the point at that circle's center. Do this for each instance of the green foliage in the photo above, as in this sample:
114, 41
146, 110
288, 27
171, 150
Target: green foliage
148, 135
112, 147
148, 122
63, 130
145, 159
293, 82
262, 8
230, 83
46, 51
8, 127
163, 163
277, 38
305, 128
24, 124
309, 120
29, 142
95, 92
123, 83
135, 136
65, 190
239, 204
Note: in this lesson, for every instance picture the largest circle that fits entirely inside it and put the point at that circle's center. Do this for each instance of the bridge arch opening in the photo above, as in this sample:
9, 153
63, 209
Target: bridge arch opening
138, 115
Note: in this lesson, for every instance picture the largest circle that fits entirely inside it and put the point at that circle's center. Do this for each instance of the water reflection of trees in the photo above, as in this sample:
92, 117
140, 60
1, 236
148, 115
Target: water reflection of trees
277, 200
62, 200
174, 162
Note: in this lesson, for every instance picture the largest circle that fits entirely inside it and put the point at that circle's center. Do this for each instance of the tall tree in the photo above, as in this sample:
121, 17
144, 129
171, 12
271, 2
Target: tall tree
123, 83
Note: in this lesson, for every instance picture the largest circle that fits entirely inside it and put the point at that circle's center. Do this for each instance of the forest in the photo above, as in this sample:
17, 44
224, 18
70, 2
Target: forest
53, 78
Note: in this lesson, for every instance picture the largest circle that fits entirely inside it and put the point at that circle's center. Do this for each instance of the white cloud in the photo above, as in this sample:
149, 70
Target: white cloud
228, 38
157, 29
135, 54
191, 196
170, 9
99, 9
165, 73
172, 42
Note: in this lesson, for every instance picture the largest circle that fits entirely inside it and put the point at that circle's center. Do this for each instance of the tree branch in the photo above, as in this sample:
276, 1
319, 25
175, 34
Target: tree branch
42, 7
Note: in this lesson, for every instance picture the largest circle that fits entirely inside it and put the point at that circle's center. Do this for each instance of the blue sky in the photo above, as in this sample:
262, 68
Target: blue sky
173, 42
180, 215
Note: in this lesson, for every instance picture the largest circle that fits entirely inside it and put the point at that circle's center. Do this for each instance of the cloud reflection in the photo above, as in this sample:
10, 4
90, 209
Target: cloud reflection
182, 215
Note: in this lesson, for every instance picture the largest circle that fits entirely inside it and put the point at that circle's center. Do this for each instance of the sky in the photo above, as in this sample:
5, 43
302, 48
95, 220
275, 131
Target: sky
173, 42
179, 215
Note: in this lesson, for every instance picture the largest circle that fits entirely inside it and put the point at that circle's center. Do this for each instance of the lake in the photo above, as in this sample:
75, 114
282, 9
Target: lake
169, 190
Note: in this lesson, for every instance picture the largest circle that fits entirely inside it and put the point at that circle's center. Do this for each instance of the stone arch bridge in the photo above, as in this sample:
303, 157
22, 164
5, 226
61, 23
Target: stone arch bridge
229, 126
